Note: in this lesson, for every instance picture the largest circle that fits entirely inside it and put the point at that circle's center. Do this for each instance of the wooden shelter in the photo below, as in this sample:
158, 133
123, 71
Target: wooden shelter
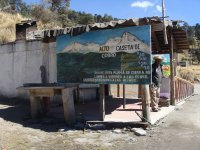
166, 38
158, 44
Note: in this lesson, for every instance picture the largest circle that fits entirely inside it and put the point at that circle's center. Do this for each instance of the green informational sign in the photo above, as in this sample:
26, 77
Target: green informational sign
111, 56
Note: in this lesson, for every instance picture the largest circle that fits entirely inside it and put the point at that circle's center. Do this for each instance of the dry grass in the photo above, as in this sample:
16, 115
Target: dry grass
50, 25
7, 26
189, 73
8, 22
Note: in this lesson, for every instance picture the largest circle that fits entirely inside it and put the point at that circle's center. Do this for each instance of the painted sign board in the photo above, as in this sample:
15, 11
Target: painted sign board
111, 56
165, 64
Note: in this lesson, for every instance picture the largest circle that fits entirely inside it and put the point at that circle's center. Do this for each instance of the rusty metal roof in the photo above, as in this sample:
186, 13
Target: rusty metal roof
27, 23
180, 41
158, 44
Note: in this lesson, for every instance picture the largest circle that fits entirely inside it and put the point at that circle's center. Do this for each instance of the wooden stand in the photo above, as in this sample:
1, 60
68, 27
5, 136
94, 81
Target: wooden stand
37, 106
68, 106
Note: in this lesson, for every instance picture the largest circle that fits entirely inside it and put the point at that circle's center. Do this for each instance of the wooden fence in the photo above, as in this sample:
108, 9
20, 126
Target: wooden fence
183, 89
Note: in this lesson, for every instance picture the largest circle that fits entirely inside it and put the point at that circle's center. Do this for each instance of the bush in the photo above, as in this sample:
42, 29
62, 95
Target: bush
186, 73
7, 26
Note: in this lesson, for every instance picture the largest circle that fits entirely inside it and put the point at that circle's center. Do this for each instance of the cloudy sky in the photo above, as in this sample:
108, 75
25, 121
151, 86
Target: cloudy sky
187, 10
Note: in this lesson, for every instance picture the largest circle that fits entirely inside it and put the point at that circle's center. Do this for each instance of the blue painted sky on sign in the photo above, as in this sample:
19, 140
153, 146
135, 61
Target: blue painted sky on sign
101, 36
166, 58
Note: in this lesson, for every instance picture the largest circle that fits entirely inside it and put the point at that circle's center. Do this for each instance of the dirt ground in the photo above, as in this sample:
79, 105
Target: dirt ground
179, 131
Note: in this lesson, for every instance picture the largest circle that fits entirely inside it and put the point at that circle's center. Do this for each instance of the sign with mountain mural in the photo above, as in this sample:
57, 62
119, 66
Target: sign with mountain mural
110, 56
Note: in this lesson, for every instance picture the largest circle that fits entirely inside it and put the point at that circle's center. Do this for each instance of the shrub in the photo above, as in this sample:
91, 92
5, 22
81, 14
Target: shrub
7, 26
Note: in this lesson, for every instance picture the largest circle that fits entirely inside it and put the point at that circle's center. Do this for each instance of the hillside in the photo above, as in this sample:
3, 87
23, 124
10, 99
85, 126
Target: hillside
7, 26
46, 19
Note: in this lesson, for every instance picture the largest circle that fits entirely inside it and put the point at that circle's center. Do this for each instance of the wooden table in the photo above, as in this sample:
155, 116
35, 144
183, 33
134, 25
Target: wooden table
38, 92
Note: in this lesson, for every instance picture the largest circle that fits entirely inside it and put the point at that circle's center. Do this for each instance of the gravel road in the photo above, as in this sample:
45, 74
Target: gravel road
179, 131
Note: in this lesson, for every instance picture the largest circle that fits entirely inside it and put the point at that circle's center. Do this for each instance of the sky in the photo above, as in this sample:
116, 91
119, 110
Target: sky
186, 10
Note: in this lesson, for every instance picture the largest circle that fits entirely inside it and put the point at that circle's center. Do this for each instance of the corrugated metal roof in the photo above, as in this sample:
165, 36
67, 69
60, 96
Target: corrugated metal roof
155, 22
158, 44
26, 23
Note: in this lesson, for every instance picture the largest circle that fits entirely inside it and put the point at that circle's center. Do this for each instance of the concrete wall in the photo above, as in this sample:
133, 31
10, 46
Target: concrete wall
20, 63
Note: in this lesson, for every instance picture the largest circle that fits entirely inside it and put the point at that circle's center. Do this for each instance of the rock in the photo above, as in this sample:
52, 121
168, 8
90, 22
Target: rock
117, 131
139, 131
125, 129
97, 127
132, 140
61, 130
64, 129
98, 131
71, 131
148, 128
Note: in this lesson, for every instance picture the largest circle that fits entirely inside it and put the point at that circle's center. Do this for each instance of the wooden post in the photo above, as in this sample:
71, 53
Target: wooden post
172, 88
118, 90
78, 94
164, 27
102, 102
109, 90
124, 96
175, 56
139, 91
68, 105
106, 89
36, 106
145, 103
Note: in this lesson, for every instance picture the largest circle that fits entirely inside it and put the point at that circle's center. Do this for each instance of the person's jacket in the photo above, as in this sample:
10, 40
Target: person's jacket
157, 74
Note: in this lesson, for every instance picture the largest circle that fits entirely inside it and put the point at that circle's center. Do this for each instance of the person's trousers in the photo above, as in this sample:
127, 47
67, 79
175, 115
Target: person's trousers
155, 95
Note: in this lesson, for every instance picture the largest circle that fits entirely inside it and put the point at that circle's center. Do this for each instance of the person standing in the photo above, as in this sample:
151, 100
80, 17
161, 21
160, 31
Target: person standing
157, 75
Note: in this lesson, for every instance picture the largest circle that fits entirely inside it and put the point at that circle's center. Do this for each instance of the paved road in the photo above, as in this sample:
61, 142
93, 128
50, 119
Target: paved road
179, 131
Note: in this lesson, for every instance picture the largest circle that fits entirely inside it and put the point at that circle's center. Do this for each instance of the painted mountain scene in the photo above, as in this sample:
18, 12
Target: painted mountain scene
109, 56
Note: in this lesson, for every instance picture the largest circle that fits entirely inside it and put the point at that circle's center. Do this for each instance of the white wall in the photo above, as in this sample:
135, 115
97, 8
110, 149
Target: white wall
20, 63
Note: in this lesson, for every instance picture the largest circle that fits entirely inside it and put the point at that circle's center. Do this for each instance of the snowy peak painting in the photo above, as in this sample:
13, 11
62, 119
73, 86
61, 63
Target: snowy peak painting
109, 56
